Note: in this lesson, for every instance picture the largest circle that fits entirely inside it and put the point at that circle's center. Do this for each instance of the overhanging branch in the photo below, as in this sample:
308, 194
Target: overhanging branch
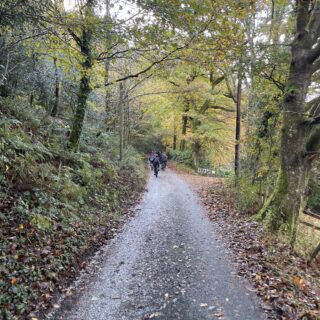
160, 92
136, 75
75, 37
281, 86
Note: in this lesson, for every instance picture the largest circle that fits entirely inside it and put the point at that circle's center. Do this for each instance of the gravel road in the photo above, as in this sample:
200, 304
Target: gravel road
166, 264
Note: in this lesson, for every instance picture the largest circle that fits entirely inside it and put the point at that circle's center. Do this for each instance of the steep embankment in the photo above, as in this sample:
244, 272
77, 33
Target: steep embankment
55, 206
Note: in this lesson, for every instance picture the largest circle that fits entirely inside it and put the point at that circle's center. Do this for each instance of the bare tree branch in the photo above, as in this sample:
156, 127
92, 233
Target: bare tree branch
160, 92
75, 37
136, 75
278, 84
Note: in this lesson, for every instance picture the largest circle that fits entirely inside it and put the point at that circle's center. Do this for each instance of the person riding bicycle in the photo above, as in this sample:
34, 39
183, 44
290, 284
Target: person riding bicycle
164, 159
151, 159
154, 161
156, 164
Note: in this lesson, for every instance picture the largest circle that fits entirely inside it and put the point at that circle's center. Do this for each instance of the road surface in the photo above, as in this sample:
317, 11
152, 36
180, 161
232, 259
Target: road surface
166, 264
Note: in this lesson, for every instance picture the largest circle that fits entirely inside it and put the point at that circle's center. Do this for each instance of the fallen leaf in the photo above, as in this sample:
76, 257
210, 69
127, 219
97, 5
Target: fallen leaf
154, 315
203, 305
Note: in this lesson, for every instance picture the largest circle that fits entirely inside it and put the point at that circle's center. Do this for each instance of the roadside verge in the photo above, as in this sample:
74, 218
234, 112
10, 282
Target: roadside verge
288, 288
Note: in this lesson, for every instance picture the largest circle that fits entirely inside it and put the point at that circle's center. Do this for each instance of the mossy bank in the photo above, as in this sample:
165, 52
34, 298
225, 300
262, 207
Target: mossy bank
55, 205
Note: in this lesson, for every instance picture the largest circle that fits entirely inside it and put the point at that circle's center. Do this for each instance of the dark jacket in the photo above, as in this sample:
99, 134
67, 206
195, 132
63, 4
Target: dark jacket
156, 161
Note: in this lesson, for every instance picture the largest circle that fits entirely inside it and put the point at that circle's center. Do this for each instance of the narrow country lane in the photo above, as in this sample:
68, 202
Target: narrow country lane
166, 264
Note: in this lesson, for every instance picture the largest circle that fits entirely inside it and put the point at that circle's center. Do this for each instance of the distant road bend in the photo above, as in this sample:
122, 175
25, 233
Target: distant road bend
166, 264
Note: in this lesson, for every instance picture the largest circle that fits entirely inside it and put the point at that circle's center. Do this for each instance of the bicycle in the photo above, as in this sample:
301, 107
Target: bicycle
163, 165
156, 170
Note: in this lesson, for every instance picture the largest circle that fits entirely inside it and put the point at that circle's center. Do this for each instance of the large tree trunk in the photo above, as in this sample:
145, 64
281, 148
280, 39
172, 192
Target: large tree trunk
84, 42
288, 199
196, 153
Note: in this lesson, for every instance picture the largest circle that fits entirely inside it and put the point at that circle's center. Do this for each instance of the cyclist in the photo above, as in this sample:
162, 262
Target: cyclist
163, 160
156, 164
151, 159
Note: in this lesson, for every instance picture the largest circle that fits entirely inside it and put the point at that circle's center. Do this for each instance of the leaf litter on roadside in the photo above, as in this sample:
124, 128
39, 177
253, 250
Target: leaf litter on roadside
279, 276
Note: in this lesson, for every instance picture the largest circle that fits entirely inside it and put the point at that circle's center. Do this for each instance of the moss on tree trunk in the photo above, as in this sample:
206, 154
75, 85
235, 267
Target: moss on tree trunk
78, 119
282, 209
84, 42
299, 139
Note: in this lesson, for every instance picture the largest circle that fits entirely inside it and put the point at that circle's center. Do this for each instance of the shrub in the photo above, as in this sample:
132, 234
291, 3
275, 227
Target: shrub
184, 157
244, 194
54, 204
134, 162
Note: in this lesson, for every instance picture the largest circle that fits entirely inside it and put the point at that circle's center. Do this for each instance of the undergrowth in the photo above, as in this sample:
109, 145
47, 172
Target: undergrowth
243, 194
182, 157
54, 204
248, 198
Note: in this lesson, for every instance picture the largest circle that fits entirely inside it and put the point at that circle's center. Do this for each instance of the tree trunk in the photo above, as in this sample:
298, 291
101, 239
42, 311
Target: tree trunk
108, 22
78, 119
184, 131
196, 149
174, 146
174, 142
238, 128
126, 121
31, 99
84, 42
121, 102
300, 137
55, 107
289, 197
185, 118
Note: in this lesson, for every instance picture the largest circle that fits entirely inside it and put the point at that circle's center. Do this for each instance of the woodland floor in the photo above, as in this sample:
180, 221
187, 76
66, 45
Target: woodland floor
171, 262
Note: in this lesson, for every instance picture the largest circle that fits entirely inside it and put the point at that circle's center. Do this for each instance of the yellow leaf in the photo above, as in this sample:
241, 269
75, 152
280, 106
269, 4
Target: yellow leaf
299, 282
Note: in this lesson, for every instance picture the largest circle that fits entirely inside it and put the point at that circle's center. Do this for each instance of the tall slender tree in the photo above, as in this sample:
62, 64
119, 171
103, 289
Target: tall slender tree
84, 41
